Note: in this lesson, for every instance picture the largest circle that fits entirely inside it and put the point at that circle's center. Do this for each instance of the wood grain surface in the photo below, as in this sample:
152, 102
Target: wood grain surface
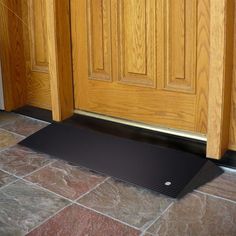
159, 60
12, 54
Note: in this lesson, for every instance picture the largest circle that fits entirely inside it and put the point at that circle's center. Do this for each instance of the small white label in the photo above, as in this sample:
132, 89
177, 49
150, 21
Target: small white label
168, 183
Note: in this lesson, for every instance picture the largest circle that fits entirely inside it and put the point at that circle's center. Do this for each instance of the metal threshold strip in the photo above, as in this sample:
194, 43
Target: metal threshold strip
179, 133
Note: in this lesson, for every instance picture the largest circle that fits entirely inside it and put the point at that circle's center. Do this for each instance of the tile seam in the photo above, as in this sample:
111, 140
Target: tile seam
92, 189
11, 132
157, 218
215, 196
50, 217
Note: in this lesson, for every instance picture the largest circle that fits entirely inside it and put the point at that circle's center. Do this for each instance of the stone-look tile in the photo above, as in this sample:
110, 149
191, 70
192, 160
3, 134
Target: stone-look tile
66, 180
24, 205
197, 214
5, 178
146, 234
223, 186
8, 139
75, 221
8, 230
135, 206
7, 117
20, 161
25, 126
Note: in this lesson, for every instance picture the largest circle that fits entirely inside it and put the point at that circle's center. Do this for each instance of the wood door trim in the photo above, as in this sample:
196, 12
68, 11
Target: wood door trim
59, 53
220, 80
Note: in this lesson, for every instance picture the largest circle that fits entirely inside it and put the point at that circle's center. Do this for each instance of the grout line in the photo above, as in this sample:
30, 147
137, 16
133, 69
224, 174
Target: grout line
1, 188
50, 217
8, 148
111, 217
4, 149
215, 196
18, 177
21, 136
95, 187
39, 186
26, 175
40, 168
154, 221
146, 233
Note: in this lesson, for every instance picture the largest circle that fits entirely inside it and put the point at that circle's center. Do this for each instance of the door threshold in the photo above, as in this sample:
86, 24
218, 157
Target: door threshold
184, 134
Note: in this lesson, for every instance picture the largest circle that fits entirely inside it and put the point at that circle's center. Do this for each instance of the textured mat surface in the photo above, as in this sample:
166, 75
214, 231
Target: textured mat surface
167, 171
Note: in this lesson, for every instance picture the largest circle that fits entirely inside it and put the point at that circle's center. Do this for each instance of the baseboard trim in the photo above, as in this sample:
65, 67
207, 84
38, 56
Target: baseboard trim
36, 113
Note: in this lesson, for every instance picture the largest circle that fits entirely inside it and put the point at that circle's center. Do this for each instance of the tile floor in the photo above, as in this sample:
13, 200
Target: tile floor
40, 195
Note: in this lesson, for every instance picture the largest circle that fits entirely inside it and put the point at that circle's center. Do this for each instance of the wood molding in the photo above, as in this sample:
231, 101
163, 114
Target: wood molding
203, 61
12, 54
59, 53
220, 81
232, 137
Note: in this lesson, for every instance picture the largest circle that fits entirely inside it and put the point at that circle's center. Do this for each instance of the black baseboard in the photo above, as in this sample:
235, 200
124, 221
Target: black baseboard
36, 113
134, 133
228, 160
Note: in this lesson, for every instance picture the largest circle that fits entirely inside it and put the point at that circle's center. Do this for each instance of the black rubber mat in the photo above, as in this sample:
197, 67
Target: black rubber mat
164, 170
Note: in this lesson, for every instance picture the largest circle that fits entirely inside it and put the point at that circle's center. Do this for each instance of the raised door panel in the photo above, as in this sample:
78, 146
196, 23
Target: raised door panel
38, 35
38, 92
99, 39
181, 45
136, 41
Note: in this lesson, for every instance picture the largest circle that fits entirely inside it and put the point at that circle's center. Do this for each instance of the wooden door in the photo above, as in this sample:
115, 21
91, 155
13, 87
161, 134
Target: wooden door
142, 60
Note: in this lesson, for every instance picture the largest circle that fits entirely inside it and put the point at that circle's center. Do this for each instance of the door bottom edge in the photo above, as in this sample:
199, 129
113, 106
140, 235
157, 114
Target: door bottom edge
175, 132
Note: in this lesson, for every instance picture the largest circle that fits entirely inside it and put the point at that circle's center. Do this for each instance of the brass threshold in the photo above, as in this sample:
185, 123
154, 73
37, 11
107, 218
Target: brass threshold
179, 133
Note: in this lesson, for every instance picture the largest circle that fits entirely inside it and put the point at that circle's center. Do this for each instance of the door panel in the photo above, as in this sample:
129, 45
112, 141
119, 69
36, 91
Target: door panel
99, 39
36, 54
181, 27
138, 60
136, 32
